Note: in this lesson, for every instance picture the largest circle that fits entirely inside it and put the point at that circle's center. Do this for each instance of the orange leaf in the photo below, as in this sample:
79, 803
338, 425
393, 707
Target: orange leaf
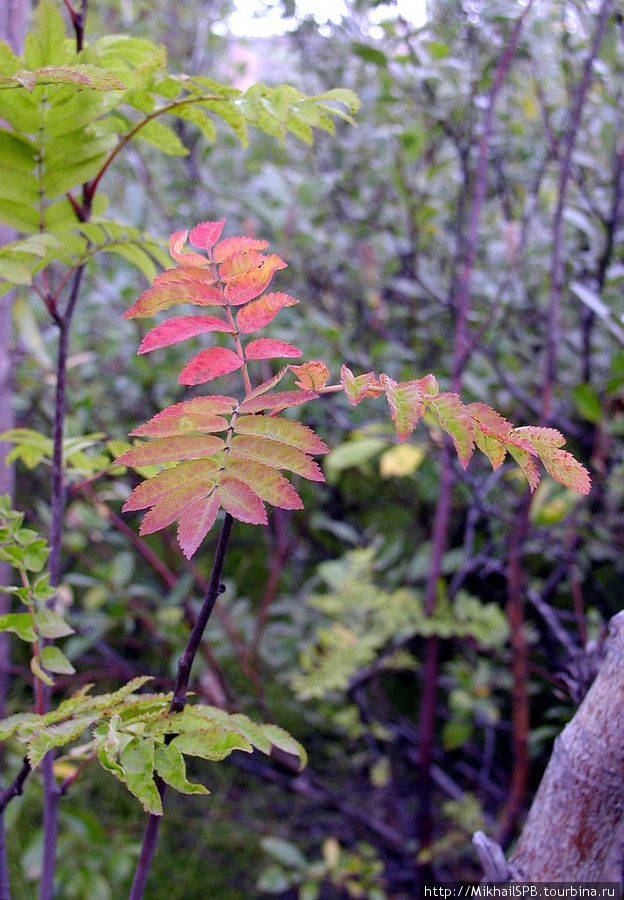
239, 263
311, 375
250, 285
260, 312
209, 364
232, 245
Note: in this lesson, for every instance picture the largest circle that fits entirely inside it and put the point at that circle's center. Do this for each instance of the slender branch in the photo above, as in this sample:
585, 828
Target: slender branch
16, 787
462, 304
178, 701
92, 186
565, 169
460, 295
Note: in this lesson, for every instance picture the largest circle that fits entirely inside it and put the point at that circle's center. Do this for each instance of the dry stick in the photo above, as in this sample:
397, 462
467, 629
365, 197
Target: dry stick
515, 576
443, 507
178, 701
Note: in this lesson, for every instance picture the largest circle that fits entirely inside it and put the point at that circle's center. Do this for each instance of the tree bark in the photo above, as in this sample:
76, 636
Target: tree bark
574, 829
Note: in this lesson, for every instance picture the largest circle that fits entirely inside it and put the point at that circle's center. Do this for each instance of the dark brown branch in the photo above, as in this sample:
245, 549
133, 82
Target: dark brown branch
565, 169
178, 701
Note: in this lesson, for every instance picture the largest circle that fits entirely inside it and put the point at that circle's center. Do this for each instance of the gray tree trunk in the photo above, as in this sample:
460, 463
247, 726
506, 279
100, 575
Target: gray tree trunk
575, 828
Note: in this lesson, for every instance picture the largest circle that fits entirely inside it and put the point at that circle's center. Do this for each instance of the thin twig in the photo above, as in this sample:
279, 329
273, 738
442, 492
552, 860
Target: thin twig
178, 701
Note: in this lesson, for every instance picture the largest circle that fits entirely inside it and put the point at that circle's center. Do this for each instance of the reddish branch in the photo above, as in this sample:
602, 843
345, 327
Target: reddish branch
178, 701
461, 304
565, 169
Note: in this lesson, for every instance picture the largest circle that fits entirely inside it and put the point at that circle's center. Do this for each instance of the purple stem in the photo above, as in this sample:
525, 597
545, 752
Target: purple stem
178, 701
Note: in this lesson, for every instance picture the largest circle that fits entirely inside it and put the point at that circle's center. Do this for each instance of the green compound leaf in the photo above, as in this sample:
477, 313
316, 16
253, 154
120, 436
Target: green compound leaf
210, 741
20, 624
54, 736
137, 763
170, 765
81, 75
55, 661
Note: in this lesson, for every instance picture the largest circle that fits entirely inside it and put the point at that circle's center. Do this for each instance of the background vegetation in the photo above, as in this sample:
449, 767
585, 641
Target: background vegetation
425, 632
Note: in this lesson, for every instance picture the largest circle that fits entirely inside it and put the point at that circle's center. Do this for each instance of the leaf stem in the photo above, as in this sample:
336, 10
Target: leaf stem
178, 701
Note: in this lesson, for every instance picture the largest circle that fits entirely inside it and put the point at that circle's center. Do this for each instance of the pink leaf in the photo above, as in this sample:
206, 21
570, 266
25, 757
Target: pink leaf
280, 400
260, 312
162, 296
294, 434
151, 491
266, 482
241, 501
180, 423
169, 449
233, 245
280, 456
195, 523
179, 329
251, 284
405, 401
268, 348
311, 375
204, 235
357, 388
169, 509
209, 364
176, 243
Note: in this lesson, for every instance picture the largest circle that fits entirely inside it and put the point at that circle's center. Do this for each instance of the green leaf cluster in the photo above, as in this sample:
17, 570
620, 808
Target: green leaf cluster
25, 550
366, 624
136, 737
359, 872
